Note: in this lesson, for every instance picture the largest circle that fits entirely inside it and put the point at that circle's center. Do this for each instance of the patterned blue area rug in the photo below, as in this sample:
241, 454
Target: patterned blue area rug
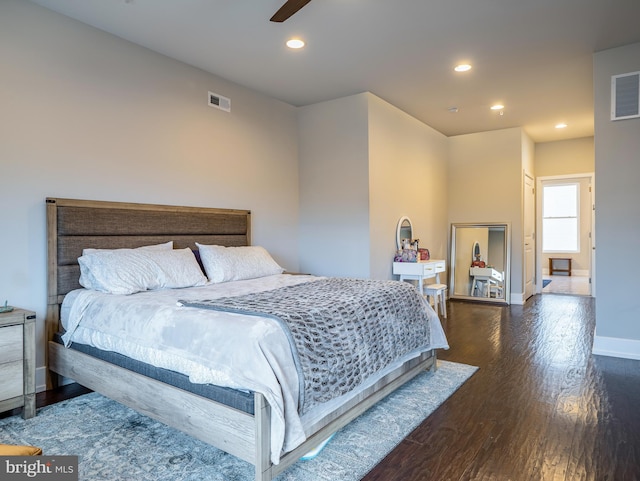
115, 443
545, 282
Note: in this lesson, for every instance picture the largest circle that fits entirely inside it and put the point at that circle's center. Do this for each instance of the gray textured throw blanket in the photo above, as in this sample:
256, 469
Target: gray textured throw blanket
342, 330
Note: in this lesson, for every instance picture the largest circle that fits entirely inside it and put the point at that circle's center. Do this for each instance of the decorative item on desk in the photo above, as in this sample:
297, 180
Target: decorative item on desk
477, 262
6, 308
424, 254
406, 255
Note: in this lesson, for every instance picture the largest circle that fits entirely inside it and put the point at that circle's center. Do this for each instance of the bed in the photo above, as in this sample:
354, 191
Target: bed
242, 422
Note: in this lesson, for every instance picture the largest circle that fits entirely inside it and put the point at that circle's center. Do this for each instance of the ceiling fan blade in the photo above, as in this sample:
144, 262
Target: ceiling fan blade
289, 8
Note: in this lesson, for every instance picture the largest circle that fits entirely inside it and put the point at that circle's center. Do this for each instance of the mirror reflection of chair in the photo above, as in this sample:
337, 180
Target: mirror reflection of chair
496, 290
437, 293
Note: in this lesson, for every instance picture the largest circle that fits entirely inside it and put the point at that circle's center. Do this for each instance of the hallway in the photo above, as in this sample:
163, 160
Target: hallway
575, 285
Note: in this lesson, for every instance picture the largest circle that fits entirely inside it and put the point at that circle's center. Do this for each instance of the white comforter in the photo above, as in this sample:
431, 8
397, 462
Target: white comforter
226, 349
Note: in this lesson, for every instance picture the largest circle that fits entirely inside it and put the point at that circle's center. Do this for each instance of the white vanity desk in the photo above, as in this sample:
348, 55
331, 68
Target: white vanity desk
419, 271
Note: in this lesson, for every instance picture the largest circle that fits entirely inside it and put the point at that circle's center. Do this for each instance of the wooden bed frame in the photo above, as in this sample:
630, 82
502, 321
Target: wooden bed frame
76, 224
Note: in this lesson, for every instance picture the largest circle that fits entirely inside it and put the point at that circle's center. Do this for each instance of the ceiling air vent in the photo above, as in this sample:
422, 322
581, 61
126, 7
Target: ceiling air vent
219, 102
625, 96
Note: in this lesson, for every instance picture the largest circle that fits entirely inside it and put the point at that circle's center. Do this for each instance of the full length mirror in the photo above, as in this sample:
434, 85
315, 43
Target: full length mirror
480, 267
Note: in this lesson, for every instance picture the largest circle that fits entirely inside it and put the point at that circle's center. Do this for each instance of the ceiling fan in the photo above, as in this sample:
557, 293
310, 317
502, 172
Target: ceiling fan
288, 9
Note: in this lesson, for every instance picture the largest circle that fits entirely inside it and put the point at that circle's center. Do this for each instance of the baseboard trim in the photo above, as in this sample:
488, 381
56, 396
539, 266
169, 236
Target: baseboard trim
41, 379
517, 298
616, 347
574, 272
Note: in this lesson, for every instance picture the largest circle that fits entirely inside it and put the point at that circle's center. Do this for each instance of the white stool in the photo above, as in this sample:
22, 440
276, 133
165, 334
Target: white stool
437, 292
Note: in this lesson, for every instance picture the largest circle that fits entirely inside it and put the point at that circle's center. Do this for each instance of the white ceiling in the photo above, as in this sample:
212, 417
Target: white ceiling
534, 56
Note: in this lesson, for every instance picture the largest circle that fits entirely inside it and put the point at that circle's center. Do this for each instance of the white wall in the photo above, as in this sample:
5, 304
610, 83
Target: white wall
485, 185
617, 167
565, 157
364, 164
334, 187
407, 176
91, 116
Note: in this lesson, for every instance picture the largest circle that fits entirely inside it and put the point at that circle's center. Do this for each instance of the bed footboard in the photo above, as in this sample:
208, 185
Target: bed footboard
243, 435
357, 406
226, 428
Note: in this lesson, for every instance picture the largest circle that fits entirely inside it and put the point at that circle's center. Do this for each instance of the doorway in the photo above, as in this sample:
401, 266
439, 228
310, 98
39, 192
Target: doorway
574, 237
529, 236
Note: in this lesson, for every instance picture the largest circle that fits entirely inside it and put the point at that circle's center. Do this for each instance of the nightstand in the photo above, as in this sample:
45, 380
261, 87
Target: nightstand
18, 361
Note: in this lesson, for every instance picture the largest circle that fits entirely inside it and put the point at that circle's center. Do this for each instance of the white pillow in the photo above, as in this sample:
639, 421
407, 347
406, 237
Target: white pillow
223, 264
177, 268
86, 277
127, 271
118, 271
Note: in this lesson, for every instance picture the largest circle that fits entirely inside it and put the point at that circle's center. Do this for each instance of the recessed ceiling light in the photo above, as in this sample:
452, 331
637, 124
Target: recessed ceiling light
463, 67
497, 107
295, 43
561, 125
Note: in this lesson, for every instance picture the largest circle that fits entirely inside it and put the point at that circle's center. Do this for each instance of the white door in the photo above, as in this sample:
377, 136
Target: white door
592, 237
529, 236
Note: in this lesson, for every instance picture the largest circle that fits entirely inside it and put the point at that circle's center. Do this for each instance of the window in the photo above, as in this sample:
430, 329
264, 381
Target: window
560, 223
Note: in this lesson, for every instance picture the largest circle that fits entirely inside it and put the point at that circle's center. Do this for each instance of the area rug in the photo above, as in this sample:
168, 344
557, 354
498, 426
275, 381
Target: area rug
115, 443
545, 282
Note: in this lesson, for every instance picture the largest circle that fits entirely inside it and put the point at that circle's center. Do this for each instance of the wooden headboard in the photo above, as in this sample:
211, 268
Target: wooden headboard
73, 225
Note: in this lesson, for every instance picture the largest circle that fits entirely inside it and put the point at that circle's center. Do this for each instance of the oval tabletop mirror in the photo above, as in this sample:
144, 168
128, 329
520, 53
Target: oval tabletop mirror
403, 231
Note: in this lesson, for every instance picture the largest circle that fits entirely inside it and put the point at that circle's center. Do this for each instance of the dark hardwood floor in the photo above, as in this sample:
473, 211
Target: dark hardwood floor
541, 407
53, 396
